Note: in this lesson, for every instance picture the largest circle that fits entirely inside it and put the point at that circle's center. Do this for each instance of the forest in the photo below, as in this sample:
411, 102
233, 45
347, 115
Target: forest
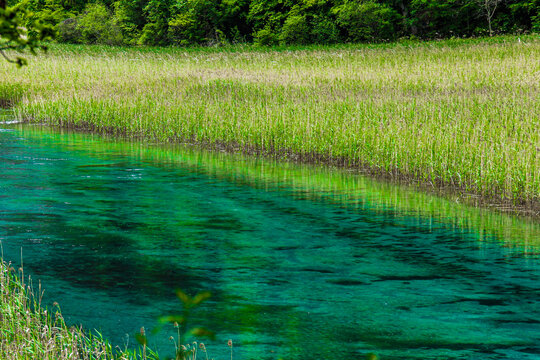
276, 22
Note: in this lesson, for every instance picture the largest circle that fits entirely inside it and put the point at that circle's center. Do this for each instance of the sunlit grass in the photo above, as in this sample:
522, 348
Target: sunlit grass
29, 331
461, 113
306, 181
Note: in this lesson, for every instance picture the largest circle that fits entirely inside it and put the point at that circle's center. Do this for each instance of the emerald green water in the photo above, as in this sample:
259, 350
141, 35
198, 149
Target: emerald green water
303, 262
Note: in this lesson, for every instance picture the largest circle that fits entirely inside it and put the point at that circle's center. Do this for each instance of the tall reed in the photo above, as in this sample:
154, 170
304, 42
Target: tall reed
463, 113
28, 331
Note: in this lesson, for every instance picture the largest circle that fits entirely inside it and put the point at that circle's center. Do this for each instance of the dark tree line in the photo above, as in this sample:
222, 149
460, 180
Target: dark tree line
270, 22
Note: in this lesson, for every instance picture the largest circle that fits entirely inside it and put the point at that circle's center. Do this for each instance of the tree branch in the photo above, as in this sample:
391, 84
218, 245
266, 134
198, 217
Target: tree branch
12, 47
6, 57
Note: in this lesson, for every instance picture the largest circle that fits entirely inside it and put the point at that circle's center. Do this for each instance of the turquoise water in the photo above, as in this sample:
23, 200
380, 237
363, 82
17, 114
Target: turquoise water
303, 262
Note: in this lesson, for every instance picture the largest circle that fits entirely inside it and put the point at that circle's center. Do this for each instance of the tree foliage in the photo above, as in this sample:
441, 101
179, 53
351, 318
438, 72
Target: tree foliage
366, 20
20, 30
268, 22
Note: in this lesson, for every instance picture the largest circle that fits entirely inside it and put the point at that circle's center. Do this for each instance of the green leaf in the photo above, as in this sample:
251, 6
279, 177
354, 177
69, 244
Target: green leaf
185, 298
202, 332
200, 297
172, 319
141, 339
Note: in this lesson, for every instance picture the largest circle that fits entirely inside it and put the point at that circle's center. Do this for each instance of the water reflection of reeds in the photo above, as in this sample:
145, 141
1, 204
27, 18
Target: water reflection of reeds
321, 183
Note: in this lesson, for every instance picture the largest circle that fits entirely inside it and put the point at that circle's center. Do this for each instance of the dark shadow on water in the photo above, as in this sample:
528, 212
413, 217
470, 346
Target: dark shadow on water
303, 262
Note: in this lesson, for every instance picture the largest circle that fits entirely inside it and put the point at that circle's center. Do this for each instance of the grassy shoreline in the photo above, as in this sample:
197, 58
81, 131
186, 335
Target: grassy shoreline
30, 331
459, 114
316, 182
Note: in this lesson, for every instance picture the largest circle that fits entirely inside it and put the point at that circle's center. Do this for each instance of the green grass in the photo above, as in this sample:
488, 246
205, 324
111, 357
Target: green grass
29, 331
463, 113
318, 183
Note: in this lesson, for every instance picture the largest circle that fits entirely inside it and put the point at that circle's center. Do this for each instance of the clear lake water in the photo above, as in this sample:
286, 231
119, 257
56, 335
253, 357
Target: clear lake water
303, 261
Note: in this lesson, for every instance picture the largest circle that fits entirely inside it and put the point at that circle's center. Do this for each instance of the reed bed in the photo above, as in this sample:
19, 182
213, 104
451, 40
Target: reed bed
319, 183
29, 331
463, 113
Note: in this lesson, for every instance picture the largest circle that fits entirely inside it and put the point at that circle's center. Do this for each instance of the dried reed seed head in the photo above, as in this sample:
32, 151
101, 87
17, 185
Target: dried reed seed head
142, 331
201, 345
229, 343
176, 324
171, 338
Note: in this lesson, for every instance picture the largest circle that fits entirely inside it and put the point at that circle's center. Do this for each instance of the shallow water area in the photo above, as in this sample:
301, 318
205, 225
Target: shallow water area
303, 262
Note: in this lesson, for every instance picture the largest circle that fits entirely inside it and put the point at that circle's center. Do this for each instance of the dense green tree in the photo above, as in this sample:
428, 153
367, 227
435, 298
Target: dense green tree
295, 30
366, 20
130, 18
268, 22
518, 16
97, 26
196, 21
443, 18
156, 30
320, 21
267, 18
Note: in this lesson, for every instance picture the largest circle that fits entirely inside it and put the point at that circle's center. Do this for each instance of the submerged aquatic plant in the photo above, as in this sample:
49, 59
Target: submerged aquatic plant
184, 351
28, 330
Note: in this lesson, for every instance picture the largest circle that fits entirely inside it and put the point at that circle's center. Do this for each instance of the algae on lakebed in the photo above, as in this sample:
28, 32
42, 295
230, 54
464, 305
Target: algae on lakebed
323, 183
112, 227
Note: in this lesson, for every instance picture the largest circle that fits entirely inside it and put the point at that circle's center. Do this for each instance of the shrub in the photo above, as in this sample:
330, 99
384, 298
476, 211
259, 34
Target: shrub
128, 16
324, 31
265, 37
183, 29
68, 31
295, 30
97, 26
365, 20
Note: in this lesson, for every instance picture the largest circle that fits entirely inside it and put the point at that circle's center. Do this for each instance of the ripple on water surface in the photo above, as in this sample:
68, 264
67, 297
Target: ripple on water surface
303, 262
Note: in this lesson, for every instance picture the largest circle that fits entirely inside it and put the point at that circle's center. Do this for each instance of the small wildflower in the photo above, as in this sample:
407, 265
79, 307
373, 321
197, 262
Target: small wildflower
229, 343
201, 345
175, 324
